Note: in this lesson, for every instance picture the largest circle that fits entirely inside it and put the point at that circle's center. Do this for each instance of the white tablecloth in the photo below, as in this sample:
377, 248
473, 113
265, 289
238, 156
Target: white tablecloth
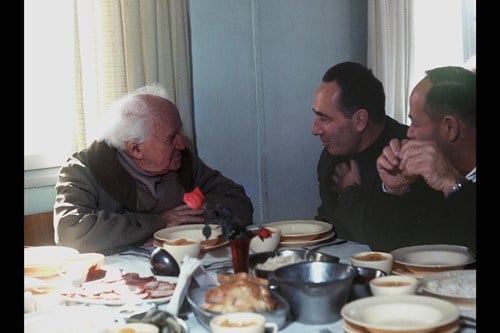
343, 251
141, 265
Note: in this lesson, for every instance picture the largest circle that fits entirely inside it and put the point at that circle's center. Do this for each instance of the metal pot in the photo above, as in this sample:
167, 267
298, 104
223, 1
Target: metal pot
316, 291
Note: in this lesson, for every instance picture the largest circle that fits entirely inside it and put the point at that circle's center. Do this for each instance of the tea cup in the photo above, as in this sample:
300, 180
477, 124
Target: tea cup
373, 259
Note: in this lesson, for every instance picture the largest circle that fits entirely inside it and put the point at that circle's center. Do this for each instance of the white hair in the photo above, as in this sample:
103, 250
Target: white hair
130, 117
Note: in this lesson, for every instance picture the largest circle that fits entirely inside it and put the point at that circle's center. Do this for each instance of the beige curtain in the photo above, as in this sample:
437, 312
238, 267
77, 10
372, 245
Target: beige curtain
121, 45
389, 41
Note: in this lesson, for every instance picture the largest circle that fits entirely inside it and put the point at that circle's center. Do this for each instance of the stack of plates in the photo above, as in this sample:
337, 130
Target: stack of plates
303, 232
191, 231
400, 314
422, 260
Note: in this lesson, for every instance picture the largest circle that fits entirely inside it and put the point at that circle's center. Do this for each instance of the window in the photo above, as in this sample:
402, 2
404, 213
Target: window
80, 56
444, 33
48, 83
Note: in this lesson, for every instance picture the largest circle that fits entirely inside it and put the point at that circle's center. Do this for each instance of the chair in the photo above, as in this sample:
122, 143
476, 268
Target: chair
39, 229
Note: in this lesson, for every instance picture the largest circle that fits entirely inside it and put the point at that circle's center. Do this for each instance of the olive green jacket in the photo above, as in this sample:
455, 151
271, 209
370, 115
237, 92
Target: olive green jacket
100, 207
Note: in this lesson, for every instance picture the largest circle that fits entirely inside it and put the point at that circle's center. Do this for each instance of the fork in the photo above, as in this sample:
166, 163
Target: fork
325, 330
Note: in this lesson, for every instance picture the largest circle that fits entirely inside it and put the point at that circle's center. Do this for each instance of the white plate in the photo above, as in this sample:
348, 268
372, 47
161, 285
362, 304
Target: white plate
458, 286
433, 256
401, 313
127, 299
301, 243
46, 261
69, 320
301, 228
193, 231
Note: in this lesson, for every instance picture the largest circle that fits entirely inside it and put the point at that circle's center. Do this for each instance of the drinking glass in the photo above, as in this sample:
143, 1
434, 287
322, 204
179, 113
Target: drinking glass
240, 253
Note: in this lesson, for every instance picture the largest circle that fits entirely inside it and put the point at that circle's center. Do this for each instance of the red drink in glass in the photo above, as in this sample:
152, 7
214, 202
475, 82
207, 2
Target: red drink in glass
240, 252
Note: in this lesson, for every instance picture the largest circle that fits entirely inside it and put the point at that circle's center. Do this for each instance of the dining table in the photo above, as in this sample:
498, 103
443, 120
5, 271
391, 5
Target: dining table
128, 262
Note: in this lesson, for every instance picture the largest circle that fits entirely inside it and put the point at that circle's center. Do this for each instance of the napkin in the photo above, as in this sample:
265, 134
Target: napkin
187, 269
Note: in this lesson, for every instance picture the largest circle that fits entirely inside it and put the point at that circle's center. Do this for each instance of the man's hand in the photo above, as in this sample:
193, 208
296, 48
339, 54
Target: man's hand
346, 174
182, 215
423, 158
389, 170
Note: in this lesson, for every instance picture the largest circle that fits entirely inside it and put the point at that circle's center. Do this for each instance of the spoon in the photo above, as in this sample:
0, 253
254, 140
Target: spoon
162, 262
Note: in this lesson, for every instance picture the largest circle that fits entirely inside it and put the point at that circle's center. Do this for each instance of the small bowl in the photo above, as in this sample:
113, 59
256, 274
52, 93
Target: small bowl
373, 259
76, 267
134, 327
241, 322
181, 247
394, 285
196, 298
271, 243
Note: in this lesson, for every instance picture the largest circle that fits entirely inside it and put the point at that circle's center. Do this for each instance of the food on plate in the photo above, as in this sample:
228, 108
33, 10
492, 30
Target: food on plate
116, 287
457, 285
181, 241
95, 273
239, 292
279, 261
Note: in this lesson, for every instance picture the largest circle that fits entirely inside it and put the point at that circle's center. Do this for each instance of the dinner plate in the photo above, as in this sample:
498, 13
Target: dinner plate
400, 313
421, 260
300, 243
204, 247
458, 286
301, 230
129, 298
352, 328
46, 261
193, 231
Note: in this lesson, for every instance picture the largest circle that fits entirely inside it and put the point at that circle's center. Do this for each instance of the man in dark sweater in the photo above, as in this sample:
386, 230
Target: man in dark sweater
430, 179
350, 120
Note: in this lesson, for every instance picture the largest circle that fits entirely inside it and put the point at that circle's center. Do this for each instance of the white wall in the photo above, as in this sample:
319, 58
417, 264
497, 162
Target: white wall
256, 66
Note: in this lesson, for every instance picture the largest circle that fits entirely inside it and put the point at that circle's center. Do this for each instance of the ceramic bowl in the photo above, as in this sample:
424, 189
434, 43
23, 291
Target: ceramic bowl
241, 322
373, 259
79, 264
181, 247
271, 243
394, 285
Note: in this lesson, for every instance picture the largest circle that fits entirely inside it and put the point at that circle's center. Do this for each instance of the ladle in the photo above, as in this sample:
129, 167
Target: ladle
161, 262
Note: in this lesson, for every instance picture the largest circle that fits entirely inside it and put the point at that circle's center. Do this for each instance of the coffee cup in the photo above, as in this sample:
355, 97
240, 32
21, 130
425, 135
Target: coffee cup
373, 259
241, 322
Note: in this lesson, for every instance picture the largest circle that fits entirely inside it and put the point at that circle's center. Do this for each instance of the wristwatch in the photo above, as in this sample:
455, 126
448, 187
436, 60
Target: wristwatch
458, 185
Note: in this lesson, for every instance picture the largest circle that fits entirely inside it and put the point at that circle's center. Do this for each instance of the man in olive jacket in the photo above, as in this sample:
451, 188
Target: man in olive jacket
130, 183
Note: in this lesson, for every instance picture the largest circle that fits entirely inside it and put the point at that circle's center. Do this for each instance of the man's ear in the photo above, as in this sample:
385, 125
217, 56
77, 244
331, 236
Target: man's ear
134, 149
360, 119
450, 128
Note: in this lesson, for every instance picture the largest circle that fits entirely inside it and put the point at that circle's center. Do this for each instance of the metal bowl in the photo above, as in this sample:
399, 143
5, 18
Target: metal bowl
196, 298
361, 284
259, 258
316, 291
